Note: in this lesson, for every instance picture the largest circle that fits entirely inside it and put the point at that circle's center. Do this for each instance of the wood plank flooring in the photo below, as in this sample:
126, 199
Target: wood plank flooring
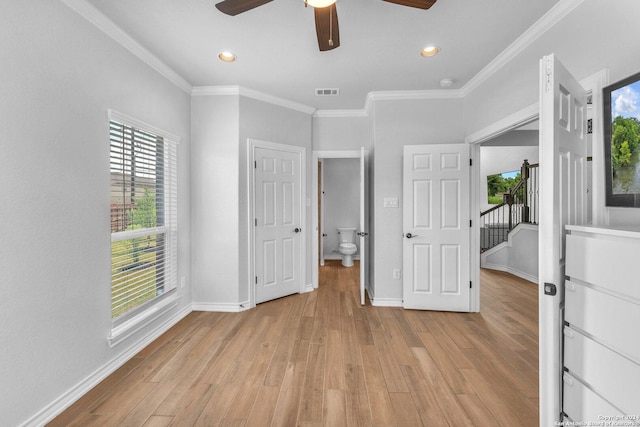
320, 359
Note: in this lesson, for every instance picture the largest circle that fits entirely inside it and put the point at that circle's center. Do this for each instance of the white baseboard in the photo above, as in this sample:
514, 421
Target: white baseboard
520, 274
56, 407
225, 307
386, 302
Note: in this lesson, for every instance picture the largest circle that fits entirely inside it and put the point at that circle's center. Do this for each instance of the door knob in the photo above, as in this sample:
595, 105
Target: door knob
410, 236
297, 230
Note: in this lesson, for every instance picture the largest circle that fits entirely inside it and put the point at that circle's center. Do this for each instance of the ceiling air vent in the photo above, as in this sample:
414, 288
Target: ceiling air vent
327, 92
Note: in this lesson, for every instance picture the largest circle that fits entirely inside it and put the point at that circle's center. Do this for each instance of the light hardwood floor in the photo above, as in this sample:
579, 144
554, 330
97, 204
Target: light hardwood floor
321, 359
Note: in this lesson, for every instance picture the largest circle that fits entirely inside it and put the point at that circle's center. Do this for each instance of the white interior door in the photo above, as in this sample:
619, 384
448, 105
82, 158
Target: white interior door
278, 231
321, 233
436, 222
563, 164
363, 224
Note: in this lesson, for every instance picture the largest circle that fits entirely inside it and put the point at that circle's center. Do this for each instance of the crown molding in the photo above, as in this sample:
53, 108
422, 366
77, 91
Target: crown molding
546, 22
99, 20
542, 25
341, 113
261, 96
404, 95
368, 104
551, 18
250, 93
215, 90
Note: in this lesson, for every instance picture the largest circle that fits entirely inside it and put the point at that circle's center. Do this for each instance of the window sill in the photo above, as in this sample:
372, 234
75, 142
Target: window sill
125, 329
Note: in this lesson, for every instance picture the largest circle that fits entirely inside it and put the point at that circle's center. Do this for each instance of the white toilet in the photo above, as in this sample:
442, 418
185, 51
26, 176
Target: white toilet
347, 247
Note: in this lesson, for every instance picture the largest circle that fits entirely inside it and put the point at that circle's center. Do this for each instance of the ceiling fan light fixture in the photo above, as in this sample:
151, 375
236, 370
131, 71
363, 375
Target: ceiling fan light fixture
227, 56
430, 51
320, 3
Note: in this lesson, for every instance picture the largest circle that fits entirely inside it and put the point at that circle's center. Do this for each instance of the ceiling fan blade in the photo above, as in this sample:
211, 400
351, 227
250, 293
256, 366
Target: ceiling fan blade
327, 27
234, 7
420, 4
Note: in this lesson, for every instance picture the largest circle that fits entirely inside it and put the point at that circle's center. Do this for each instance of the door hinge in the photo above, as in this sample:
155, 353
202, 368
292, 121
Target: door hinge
256, 222
470, 162
470, 223
470, 284
255, 164
256, 280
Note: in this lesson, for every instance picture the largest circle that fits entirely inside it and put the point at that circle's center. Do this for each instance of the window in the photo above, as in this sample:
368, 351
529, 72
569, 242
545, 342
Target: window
143, 216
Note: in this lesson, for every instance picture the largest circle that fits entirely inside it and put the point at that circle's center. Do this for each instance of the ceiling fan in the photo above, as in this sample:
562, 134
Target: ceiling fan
325, 14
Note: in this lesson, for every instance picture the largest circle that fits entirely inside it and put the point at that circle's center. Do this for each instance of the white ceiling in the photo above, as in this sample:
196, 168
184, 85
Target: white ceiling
278, 51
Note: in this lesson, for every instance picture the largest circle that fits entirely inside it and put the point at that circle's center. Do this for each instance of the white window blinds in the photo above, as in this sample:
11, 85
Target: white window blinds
143, 215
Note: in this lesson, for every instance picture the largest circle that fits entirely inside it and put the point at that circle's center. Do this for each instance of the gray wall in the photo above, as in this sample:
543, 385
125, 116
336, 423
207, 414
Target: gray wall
400, 123
518, 256
221, 126
342, 133
215, 209
267, 122
59, 75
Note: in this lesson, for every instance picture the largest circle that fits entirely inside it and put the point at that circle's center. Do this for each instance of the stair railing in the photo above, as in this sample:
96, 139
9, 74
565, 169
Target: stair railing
519, 205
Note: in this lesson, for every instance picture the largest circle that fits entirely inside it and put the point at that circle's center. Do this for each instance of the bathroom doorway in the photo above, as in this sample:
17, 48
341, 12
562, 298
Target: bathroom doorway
340, 183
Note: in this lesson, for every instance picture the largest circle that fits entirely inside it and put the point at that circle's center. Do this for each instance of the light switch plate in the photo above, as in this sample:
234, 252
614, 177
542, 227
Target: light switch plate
390, 202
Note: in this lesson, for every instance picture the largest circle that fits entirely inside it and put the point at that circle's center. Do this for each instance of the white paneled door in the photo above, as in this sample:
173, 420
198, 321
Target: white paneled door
278, 230
563, 195
436, 224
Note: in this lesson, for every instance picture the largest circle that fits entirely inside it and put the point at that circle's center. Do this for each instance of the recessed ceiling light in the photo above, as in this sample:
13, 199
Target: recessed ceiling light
227, 56
430, 51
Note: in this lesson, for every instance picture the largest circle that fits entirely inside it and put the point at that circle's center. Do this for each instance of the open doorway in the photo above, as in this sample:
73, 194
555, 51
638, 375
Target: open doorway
509, 218
479, 195
339, 210
509, 202
340, 214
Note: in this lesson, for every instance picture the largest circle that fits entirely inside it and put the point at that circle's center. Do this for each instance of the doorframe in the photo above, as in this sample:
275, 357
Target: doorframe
320, 209
513, 121
252, 144
316, 156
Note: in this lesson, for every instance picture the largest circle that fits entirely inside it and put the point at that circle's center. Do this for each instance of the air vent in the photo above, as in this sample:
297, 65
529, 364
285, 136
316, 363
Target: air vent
327, 92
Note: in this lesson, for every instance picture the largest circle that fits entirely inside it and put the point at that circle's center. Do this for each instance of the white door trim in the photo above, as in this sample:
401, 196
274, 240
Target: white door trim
594, 84
512, 121
316, 156
515, 120
252, 144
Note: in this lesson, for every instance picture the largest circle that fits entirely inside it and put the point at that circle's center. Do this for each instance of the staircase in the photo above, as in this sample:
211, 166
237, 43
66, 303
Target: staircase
519, 205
